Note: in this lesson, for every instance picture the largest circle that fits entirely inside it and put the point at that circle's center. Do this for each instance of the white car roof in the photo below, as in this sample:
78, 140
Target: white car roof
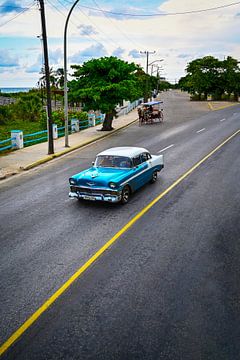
128, 151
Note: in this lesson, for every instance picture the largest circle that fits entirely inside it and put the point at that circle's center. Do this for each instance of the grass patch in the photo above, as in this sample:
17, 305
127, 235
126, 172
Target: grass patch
26, 127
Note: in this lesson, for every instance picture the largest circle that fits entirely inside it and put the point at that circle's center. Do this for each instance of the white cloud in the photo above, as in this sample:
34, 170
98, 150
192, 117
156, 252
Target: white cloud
93, 51
118, 52
87, 30
7, 60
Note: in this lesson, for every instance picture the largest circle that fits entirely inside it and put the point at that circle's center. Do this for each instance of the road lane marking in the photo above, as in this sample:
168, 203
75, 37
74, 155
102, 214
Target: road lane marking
32, 319
222, 119
168, 147
200, 130
220, 107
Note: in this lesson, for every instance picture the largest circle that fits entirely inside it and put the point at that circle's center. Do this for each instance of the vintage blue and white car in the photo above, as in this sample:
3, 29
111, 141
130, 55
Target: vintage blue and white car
115, 174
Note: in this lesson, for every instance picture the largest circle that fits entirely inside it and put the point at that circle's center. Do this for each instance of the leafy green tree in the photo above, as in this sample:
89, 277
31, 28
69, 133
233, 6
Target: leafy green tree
210, 76
231, 77
205, 76
52, 78
103, 83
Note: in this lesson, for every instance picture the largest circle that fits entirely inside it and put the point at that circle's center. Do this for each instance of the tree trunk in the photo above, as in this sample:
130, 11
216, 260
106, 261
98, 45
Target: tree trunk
107, 124
236, 95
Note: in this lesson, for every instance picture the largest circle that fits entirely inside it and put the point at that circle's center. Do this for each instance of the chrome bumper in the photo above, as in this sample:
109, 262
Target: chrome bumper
96, 197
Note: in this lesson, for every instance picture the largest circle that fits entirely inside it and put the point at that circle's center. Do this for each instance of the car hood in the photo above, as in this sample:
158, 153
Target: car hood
97, 176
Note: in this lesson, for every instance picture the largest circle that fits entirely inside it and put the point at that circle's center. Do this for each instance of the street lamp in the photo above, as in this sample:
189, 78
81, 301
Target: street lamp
151, 64
65, 75
158, 68
155, 61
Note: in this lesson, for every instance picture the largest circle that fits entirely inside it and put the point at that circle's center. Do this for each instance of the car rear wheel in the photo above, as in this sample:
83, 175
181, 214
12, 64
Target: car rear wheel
125, 194
154, 177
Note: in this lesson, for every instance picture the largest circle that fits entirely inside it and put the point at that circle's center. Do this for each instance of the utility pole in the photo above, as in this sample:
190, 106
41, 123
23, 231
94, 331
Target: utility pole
49, 105
146, 87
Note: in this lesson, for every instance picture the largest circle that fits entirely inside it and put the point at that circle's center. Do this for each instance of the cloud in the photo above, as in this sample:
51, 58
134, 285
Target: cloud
94, 51
118, 52
135, 54
10, 7
36, 67
87, 30
184, 56
8, 61
55, 56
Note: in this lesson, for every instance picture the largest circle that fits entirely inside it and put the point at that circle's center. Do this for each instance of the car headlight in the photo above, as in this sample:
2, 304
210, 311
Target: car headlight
72, 181
112, 185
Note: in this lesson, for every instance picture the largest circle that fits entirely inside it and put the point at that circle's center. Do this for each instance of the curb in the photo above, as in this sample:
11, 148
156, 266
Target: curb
59, 154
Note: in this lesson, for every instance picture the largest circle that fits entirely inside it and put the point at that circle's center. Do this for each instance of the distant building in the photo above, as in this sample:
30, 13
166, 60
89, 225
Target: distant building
4, 100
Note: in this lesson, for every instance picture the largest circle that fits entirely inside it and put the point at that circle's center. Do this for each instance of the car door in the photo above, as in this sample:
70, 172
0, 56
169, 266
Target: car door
140, 170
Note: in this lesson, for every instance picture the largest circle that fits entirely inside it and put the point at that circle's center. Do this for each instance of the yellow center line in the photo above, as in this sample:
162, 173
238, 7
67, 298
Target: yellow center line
18, 333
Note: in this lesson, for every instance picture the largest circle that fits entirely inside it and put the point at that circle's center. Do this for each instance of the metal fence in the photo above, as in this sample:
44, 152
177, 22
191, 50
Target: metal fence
41, 136
6, 147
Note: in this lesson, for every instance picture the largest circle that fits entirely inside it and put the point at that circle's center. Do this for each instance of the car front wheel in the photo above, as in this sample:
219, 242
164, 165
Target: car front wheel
125, 194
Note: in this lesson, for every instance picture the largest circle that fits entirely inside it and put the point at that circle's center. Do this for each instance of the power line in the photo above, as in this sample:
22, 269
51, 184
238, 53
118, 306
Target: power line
78, 20
130, 40
89, 19
20, 13
164, 14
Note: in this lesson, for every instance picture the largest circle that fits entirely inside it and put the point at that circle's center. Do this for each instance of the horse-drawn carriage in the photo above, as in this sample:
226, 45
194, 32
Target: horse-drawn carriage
150, 113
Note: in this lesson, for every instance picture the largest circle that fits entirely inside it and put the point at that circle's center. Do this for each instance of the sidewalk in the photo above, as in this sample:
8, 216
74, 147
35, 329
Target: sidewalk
32, 156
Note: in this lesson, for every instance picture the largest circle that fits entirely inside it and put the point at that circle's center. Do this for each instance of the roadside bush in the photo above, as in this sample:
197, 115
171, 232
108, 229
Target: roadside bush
5, 114
58, 117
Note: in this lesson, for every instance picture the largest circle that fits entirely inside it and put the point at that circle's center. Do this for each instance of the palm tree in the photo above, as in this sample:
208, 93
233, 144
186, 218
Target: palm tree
59, 74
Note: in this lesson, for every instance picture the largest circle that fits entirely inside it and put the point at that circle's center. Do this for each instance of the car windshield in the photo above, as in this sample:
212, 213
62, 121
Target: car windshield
113, 161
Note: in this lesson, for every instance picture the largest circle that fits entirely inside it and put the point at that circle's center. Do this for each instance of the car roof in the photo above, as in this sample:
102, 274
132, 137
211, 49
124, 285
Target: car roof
128, 151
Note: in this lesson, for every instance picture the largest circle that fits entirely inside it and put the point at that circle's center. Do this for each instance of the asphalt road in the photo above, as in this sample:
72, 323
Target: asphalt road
167, 289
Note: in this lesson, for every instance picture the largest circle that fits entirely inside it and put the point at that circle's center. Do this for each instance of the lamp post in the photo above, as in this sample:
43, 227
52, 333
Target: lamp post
158, 68
65, 75
159, 60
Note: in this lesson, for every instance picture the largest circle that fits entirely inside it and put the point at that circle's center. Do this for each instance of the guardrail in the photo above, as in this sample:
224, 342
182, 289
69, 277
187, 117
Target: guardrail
33, 138
7, 147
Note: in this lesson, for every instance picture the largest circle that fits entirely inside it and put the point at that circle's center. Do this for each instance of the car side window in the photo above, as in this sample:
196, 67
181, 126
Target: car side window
144, 157
137, 160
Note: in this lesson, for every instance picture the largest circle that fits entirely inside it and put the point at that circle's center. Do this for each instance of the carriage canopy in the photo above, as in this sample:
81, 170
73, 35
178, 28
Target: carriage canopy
152, 103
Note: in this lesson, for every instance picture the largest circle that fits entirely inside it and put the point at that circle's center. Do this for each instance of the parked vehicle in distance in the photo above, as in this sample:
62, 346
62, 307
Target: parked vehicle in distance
115, 174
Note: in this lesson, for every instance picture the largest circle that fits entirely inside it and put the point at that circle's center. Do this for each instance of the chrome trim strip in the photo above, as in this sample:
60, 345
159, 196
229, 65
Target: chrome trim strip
136, 175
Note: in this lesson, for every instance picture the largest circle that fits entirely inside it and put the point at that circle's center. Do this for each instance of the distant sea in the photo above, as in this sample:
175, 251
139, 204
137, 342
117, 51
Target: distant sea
15, 90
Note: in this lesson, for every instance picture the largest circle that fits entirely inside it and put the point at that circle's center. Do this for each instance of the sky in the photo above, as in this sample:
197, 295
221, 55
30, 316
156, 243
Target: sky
174, 33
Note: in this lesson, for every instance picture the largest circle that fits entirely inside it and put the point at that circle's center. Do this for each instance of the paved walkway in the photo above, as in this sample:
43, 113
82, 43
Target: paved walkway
29, 157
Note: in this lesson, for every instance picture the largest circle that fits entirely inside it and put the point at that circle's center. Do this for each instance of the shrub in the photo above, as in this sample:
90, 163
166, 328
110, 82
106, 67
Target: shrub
5, 114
